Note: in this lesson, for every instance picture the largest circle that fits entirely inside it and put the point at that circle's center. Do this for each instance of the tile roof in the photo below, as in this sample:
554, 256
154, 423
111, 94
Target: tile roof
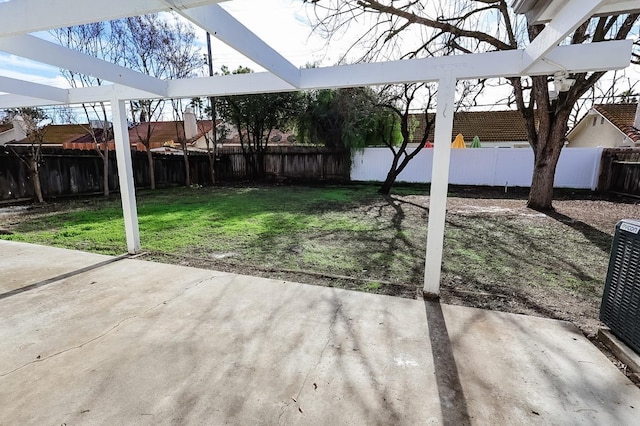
78, 137
89, 138
489, 126
56, 134
622, 116
165, 131
61, 133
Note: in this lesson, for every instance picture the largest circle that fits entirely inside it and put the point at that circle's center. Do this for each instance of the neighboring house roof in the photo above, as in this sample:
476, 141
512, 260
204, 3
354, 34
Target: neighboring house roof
56, 134
89, 138
277, 137
5, 127
622, 116
61, 133
162, 133
489, 126
166, 131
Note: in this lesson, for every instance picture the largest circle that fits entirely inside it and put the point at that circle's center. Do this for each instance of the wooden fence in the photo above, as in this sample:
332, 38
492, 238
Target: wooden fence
620, 171
75, 172
294, 163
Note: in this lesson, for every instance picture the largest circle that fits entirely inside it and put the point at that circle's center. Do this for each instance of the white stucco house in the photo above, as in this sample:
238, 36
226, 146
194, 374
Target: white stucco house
609, 126
13, 131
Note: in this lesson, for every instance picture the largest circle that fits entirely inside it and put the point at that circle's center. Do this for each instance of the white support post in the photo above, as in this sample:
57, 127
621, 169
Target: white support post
125, 174
439, 185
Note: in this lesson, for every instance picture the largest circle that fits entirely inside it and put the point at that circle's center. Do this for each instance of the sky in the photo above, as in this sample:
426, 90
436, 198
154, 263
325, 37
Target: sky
283, 24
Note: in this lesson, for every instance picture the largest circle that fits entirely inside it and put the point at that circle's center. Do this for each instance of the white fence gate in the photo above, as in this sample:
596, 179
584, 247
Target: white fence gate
577, 168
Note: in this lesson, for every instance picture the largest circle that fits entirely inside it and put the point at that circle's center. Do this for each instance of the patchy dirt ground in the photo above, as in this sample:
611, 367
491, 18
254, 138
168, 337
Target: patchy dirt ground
579, 231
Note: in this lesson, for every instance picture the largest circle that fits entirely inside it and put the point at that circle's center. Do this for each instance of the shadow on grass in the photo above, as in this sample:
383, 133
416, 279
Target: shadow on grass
597, 237
472, 292
393, 252
517, 255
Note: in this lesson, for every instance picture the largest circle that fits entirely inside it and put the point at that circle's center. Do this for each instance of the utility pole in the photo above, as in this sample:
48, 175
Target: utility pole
212, 107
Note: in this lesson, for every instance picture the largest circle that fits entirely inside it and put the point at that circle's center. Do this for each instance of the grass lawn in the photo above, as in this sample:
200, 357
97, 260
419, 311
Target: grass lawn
498, 254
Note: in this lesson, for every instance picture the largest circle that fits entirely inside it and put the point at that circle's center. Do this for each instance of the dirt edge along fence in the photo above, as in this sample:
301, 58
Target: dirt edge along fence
79, 172
620, 171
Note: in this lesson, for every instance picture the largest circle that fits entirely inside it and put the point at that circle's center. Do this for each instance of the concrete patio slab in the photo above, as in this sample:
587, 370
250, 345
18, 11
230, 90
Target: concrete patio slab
24, 264
135, 342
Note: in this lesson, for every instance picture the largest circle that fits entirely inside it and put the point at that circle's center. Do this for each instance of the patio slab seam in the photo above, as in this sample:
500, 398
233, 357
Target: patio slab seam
62, 277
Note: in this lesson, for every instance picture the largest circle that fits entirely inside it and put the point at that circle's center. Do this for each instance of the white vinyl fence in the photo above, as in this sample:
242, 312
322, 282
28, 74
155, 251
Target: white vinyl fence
578, 167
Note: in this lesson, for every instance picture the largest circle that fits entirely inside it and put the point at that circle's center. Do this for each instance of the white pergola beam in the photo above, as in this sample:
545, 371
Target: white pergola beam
577, 58
21, 101
236, 84
617, 7
33, 90
222, 25
607, 55
565, 21
543, 12
40, 50
28, 16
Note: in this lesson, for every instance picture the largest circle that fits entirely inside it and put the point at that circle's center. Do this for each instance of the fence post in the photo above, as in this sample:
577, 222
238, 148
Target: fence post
596, 169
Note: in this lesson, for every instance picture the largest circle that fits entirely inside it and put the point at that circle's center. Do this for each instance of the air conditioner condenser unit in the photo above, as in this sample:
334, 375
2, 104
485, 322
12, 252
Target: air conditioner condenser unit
620, 308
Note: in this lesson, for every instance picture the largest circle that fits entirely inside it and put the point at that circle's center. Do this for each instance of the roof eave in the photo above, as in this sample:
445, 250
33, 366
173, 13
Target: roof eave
543, 11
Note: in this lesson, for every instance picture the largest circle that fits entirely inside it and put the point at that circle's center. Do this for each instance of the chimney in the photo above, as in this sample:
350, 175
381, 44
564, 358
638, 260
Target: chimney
190, 124
19, 128
636, 122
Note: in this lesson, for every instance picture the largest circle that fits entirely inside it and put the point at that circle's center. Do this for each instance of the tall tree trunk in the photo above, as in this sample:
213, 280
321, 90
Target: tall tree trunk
105, 170
541, 193
187, 171
35, 178
546, 156
214, 133
212, 163
385, 189
152, 173
260, 165
250, 164
249, 159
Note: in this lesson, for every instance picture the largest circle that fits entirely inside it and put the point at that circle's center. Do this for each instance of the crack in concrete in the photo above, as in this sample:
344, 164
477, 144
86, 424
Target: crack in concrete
71, 348
282, 411
100, 336
334, 320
